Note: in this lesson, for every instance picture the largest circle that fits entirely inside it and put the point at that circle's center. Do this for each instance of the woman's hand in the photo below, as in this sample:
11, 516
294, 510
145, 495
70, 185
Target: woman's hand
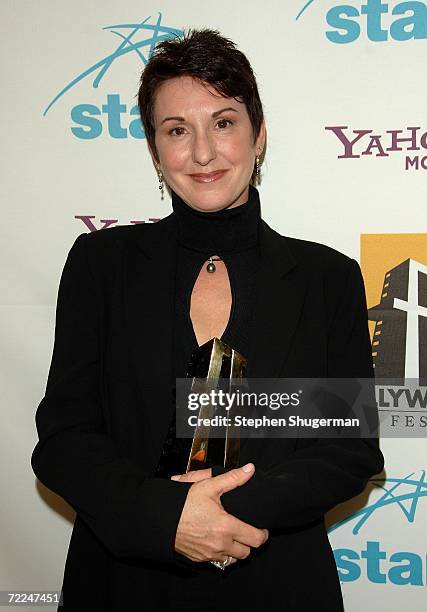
197, 476
206, 532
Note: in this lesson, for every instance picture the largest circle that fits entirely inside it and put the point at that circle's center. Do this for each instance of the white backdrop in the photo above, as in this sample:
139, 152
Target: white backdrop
362, 76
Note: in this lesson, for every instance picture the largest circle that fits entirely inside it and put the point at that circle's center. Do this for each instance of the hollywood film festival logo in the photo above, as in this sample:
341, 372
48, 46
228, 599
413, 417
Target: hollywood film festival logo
399, 339
106, 114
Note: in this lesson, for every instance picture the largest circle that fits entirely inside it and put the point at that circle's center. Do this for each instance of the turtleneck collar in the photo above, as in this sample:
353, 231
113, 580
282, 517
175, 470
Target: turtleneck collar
223, 231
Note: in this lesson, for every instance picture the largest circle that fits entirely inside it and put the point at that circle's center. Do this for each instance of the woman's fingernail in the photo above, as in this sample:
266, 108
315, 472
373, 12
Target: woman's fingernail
248, 467
177, 477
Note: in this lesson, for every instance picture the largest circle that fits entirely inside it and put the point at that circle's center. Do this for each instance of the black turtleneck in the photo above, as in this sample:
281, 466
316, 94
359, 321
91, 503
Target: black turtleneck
231, 234
227, 231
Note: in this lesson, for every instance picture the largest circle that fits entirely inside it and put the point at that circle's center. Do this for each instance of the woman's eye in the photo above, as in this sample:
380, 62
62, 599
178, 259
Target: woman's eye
177, 131
223, 123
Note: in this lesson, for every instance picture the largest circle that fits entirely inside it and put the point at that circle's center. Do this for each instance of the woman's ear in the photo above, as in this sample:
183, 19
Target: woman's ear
154, 156
261, 139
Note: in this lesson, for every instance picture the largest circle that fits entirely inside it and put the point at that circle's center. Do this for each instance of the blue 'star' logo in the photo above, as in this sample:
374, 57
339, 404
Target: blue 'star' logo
347, 21
396, 491
402, 567
137, 38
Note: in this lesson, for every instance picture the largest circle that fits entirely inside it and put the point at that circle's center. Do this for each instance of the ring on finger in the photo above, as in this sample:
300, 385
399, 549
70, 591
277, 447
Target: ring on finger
222, 564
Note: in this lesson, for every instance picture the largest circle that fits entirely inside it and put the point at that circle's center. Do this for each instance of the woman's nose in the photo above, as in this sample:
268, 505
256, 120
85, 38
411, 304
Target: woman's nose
203, 149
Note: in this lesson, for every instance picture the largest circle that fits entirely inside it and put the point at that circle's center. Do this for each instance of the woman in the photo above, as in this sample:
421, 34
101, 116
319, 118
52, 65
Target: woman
133, 304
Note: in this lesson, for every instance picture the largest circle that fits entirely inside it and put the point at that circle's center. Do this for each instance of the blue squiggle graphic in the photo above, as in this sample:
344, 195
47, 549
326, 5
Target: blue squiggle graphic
159, 33
389, 497
304, 8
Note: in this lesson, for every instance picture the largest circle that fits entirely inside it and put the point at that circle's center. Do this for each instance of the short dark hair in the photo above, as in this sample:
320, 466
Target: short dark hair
209, 57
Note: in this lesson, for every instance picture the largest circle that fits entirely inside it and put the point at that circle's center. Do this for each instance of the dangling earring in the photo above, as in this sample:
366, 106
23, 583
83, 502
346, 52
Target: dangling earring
161, 188
257, 172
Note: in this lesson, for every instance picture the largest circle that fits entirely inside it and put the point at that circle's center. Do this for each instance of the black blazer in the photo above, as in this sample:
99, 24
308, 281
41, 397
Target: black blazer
108, 404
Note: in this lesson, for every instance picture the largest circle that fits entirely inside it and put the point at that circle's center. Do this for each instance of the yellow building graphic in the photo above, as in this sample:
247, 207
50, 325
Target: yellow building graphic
394, 268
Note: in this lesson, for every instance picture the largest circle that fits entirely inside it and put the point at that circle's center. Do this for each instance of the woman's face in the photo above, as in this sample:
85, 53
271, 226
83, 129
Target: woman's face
204, 144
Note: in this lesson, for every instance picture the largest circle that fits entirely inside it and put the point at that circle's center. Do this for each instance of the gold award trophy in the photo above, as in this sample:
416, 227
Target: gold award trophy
215, 365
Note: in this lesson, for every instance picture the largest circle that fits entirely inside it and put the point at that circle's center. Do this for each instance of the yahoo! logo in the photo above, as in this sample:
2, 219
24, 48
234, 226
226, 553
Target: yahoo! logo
380, 566
93, 225
347, 22
356, 143
91, 120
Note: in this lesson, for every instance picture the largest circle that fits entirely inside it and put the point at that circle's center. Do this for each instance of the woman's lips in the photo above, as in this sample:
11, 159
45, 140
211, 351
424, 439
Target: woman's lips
208, 177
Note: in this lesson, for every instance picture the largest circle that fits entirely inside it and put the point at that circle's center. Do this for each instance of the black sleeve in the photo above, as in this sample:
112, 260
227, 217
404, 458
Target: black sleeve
321, 473
132, 514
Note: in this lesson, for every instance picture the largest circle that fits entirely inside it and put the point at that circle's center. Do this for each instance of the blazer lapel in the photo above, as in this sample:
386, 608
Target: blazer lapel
149, 307
279, 300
